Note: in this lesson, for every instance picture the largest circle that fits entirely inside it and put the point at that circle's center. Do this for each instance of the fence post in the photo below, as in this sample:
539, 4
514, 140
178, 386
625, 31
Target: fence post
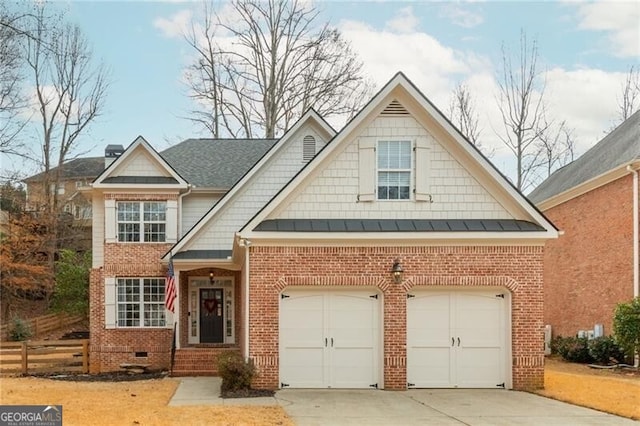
85, 356
25, 363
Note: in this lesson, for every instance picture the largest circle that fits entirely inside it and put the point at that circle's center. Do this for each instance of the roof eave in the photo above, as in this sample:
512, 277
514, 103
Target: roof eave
590, 185
399, 238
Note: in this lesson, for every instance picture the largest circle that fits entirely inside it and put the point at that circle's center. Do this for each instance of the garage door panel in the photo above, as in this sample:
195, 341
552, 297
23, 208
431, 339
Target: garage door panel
429, 367
480, 367
339, 332
455, 339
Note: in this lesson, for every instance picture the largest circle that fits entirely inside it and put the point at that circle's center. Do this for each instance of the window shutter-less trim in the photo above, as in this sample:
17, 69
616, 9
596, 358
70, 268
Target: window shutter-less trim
172, 221
110, 234
367, 169
110, 315
423, 169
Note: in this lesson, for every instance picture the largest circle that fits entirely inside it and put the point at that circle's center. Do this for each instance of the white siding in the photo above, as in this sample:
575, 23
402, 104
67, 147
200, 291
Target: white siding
140, 164
194, 206
218, 233
333, 193
97, 251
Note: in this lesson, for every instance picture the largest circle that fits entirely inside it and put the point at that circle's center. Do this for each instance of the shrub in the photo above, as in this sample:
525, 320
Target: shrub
626, 327
236, 373
572, 349
604, 349
19, 330
71, 293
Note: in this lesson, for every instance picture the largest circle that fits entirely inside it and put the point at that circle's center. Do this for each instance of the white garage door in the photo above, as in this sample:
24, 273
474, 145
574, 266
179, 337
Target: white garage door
456, 339
329, 339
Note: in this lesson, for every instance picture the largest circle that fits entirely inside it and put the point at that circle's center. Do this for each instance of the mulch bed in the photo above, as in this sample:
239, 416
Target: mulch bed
247, 393
116, 376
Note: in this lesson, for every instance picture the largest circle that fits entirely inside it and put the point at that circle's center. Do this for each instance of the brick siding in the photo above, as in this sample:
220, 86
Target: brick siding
519, 269
589, 269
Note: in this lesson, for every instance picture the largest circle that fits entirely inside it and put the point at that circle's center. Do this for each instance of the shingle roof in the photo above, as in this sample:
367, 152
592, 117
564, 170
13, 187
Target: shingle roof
77, 168
212, 163
619, 147
216, 163
397, 225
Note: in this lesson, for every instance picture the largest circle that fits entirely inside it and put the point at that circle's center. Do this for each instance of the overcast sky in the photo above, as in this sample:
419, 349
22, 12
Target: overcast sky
585, 50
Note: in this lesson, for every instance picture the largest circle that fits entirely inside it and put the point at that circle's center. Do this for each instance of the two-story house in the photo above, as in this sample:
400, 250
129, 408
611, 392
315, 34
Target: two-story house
595, 265
73, 179
390, 254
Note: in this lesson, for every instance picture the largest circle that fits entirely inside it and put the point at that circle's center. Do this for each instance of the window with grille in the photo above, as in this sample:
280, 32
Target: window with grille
142, 221
394, 170
140, 302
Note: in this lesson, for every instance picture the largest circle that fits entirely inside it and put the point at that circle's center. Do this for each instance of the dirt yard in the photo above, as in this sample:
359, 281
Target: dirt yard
145, 402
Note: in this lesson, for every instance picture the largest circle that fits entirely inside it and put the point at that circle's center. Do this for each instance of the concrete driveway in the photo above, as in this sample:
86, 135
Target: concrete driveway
435, 407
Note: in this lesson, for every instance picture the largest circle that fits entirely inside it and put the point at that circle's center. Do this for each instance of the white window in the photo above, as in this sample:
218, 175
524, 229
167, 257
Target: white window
142, 221
140, 302
394, 170
53, 186
79, 184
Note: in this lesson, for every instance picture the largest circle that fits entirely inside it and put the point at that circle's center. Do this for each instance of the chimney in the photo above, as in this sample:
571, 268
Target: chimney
111, 153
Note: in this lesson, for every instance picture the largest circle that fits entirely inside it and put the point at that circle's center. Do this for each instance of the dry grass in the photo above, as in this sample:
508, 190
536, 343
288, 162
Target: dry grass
609, 391
129, 403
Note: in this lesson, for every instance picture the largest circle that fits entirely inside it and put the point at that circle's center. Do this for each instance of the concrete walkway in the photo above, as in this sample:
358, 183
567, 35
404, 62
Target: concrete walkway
414, 407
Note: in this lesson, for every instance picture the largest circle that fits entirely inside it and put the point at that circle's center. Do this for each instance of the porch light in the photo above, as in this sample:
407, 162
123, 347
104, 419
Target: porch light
211, 277
397, 271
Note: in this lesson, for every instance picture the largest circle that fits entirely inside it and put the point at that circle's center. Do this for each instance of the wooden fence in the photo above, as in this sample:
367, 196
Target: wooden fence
45, 356
44, 324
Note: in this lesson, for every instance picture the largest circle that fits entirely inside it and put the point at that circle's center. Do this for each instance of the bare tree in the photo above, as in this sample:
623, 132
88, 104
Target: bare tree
463, 114
521, 104
258, 71
69, 94
629, 100
557, 147
12, 103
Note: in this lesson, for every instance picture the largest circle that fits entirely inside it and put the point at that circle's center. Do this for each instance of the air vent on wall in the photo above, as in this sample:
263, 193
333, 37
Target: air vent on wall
395, 108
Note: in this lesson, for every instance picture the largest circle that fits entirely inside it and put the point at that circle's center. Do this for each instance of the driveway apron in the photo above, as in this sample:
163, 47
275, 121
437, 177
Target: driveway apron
435, 407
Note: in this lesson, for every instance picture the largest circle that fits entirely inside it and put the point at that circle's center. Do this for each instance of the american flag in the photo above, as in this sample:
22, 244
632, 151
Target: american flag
170, 288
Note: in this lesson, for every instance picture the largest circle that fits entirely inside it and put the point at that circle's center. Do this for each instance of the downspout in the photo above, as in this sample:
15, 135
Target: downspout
636, 256
180, 197
246, 244
636, 267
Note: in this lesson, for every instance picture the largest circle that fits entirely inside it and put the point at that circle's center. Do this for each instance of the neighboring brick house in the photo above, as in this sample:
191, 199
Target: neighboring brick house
594, 202
390, 254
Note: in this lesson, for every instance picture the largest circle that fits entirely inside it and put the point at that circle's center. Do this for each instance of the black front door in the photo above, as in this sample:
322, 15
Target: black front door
211, 324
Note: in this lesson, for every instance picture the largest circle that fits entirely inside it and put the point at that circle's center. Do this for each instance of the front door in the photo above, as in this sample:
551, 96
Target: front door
211, 324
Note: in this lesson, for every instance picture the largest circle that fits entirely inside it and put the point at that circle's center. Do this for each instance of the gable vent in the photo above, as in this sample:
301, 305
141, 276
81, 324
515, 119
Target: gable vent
308, 148
394, 108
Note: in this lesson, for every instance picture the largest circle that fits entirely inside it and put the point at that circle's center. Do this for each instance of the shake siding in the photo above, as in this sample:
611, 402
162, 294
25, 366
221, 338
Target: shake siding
218, 234
333, 194
140, 164
194, 207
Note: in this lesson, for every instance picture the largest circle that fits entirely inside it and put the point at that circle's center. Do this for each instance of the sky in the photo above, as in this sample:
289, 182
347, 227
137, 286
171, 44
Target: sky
585, 51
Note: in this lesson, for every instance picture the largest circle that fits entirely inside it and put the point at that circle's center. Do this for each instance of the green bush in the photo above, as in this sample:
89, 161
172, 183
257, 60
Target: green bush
19, 330
626, 326
237, 374
604, 349
572, 349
